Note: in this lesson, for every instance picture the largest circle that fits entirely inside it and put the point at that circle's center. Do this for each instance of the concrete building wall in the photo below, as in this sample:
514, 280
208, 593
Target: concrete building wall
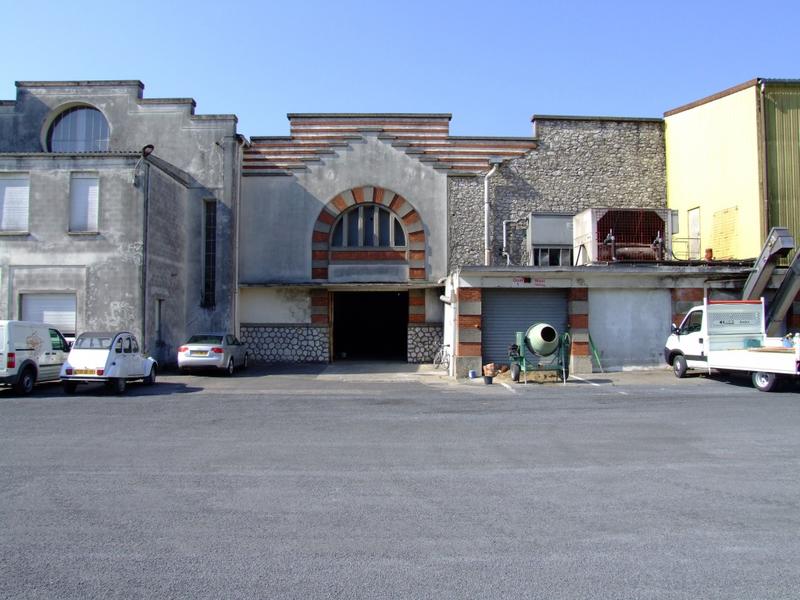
288, 207
579, 163
275, 305
198, 157
103, 268
714, 165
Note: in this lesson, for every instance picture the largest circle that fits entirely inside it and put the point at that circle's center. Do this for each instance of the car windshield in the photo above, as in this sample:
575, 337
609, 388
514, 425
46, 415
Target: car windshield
94, 341
205, 339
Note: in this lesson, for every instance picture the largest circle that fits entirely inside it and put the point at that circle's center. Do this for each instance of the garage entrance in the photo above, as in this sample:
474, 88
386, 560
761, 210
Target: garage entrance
370, 325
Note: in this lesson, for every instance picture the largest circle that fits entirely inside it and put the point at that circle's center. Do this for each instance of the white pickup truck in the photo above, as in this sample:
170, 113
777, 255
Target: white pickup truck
729, 335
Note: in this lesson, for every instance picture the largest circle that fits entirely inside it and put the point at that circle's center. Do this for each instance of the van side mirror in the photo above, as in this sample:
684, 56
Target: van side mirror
674, 328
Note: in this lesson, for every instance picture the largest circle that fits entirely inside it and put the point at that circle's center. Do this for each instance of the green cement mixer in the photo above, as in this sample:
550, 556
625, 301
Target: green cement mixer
551, 352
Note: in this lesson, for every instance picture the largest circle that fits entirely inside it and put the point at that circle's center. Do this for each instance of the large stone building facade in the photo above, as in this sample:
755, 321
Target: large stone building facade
375, 236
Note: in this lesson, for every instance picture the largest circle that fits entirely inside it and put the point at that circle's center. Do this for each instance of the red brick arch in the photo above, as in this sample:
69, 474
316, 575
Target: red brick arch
322, 254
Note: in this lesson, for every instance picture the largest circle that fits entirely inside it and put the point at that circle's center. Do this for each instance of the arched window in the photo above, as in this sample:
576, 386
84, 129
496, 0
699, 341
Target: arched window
78, 129
368, 226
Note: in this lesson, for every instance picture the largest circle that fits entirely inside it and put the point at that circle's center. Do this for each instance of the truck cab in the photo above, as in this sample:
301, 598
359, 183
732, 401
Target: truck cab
687, 343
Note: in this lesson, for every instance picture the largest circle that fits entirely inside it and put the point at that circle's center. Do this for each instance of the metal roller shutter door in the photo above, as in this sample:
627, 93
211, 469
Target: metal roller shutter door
507, 311
54, 309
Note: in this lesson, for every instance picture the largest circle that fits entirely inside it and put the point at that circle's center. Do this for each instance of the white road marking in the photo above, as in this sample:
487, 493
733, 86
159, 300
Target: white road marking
508, 387
585, 380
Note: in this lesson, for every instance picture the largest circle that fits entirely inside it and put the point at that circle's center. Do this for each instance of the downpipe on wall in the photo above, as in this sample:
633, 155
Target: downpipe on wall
495, 162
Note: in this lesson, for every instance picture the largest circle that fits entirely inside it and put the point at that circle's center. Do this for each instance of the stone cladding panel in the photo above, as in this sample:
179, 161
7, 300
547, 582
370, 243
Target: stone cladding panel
286, 343
423, 342
578, 164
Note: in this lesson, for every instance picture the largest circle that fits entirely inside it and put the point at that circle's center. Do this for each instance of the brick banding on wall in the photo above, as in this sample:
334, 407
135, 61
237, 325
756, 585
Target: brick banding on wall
322, 255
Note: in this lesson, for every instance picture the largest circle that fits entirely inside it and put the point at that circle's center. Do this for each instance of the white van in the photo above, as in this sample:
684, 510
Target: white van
30, 353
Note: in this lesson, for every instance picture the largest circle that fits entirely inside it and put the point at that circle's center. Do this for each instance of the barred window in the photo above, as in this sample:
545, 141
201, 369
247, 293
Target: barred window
209, 253
369, 226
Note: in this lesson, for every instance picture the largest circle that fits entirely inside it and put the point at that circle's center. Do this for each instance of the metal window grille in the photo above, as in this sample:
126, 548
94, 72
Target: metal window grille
210, 254
368, 226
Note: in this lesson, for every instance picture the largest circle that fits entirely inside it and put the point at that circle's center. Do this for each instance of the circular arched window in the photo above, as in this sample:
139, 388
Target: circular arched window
78, 129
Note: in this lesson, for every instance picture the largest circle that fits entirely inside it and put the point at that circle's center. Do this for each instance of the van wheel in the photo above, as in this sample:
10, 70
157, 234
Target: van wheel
24, 385
679, 366
118, 385
69, 387
764, 382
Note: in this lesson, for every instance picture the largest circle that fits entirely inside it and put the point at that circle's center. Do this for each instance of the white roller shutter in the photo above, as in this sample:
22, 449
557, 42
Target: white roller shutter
83, 202
58, 310
506, 311
14, 192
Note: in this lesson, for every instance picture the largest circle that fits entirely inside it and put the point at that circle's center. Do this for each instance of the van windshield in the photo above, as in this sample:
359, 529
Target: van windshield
94, 341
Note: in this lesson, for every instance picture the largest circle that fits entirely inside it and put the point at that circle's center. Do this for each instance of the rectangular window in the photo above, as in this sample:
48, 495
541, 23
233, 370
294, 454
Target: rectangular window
209, 253
83, 202
552, 256
14, 192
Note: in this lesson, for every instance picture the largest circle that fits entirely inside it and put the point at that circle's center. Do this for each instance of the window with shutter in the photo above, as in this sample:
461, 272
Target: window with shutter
14, 192
84, 203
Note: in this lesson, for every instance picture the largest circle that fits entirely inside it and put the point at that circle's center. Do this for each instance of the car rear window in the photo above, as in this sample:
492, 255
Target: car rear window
93, 342
205, 339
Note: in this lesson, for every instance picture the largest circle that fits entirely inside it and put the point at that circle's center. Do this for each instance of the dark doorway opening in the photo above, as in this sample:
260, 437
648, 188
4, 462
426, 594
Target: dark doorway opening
370, 325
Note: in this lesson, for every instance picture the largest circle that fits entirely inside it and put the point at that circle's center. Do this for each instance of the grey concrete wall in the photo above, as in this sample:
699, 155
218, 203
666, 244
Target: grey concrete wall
104, 269
578, 164
279, 212
206, 152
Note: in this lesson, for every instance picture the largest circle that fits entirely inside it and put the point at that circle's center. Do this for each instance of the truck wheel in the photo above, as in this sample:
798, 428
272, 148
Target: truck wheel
24, 385
764, 382
679, 366
69, 386
515, 370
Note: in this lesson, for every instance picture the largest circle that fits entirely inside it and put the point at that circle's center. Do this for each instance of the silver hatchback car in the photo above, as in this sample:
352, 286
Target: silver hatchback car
213, 351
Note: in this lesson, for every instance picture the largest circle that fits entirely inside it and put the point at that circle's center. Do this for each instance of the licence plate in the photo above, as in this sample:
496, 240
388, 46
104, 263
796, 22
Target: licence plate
84, 371
198, 353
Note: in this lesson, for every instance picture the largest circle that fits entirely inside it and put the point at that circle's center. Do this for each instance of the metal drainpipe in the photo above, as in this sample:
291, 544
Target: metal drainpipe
144, 252
486, 253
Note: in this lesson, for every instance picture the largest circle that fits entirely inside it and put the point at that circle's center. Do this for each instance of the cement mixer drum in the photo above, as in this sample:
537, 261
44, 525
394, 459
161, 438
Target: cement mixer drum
541, 339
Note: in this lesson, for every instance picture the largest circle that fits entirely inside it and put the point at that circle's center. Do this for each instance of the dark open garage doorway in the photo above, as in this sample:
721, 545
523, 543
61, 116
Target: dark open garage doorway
370, 325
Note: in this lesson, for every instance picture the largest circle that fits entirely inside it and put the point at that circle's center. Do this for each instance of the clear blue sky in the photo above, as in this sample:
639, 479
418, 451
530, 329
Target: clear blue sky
491, 64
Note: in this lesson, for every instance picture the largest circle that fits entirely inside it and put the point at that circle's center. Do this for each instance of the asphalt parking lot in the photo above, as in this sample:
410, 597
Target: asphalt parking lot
392, 482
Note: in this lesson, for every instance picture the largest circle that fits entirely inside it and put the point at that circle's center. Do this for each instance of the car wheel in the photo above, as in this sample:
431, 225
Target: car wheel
246, 360
151, 378
231, 368
118, 385
764, 382
69, 387
24, 385
679, 366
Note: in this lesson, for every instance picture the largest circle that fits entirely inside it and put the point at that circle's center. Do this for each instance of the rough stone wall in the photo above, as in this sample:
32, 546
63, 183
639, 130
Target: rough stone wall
423, 342
286, 343
579, 164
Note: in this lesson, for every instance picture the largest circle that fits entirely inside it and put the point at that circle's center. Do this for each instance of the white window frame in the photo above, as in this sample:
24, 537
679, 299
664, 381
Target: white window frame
7, 204
92, 208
